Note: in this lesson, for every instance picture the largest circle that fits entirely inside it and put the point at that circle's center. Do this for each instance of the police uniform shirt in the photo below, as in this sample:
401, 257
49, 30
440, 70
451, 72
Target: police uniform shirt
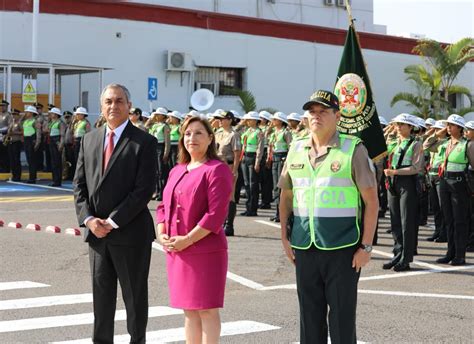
227, 143
363, 170
5, 120
417, 161
16, 131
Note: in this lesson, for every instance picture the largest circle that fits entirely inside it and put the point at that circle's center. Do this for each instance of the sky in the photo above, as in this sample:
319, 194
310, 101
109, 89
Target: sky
443, 20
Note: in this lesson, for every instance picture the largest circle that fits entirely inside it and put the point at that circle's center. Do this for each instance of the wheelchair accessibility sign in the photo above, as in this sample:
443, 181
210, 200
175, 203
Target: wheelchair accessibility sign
152, 89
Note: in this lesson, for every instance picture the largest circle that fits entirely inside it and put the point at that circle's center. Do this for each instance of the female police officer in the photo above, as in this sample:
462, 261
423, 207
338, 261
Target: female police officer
405, 162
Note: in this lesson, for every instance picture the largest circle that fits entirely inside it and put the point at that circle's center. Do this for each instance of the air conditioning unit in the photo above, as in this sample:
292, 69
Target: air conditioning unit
211, 86
329, 2
342, 3
178, 61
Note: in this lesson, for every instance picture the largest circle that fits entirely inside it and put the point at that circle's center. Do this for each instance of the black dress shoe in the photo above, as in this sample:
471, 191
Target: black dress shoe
458, 261
272, 218
432, 238
251, 214
244, 213
390, 264
415, 253
444, 260
31, 182
229, 231
277, 220
441, 239
264, 206
401, 267
54, 185
388, 231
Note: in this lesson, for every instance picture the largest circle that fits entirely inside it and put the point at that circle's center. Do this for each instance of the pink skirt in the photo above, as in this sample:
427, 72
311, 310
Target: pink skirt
197, 281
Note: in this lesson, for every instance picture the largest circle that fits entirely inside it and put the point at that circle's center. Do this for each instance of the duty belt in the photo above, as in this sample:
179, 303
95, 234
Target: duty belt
453, 175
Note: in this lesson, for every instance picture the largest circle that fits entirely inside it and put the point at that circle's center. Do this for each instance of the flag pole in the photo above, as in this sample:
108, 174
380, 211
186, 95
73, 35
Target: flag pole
349, 12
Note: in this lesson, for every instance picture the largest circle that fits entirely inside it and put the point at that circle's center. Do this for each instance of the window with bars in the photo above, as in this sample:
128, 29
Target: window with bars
221, 81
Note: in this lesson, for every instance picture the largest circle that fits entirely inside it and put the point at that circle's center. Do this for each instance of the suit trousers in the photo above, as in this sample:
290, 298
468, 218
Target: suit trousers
455, 204
404, 217
326, 283
130, 265
251, 182
30, 156
14, 150
56, 160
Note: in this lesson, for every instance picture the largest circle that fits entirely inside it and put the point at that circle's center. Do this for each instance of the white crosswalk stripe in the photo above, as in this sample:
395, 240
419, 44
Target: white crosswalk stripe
20, 285
18, 325
177, 334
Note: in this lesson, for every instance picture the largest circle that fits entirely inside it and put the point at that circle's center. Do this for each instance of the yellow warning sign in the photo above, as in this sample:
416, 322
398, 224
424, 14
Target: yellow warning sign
29, 91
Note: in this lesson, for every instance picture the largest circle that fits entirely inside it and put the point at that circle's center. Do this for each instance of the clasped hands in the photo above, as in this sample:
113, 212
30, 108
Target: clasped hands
100, 227
174, 244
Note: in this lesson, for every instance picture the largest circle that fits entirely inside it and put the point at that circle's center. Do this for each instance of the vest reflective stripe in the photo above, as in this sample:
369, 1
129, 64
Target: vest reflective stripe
157, 130
252, 141
326, 204
407, 159
29, 127
457, 159
279, 142
174, 133
54, 128
80, 128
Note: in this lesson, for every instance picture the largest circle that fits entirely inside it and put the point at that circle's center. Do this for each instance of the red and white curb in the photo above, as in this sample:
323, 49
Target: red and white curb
33, 227
73, 231
14, 225
53, 229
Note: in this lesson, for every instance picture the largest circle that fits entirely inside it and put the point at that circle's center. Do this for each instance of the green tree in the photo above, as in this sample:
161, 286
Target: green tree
446, 60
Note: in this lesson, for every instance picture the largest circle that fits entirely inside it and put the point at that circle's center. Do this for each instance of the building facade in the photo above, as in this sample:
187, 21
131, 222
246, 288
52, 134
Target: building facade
280, 62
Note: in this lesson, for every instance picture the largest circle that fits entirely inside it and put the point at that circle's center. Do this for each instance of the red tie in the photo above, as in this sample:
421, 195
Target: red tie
109, 149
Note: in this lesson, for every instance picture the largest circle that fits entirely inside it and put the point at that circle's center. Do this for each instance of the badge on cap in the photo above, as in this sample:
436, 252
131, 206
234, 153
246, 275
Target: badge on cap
335, 166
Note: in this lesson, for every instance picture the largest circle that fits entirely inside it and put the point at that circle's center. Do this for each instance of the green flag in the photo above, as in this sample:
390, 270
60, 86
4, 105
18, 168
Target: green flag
358, 113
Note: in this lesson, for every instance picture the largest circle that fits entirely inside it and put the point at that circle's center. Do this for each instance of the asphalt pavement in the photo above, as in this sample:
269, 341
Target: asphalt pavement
45, 286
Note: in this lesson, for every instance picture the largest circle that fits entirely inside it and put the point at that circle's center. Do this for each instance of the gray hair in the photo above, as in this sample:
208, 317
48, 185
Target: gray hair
122, 87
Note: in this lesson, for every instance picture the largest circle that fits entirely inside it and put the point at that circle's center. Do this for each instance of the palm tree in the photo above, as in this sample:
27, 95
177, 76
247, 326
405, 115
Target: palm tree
446, 60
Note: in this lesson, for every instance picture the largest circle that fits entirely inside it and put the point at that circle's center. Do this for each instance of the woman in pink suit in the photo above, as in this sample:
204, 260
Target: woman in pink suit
190, 220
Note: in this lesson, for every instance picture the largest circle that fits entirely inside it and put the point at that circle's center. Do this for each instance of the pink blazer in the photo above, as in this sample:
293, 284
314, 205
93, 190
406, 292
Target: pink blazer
202, 198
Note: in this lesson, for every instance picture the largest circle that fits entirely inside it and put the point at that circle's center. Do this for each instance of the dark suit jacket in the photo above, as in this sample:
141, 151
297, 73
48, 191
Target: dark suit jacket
123, 190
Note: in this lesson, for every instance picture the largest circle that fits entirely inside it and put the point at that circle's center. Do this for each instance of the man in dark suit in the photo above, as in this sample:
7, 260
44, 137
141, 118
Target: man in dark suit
114, 182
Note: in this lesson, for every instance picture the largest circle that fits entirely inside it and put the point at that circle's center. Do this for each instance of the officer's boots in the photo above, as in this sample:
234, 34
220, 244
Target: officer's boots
229, 223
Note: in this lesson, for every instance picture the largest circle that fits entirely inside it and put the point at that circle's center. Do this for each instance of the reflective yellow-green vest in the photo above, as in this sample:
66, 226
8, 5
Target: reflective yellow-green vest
251, 144
457, 160
158, 131
407, 159
80, 128
325, 200
174, 133
278, 140
437, 159
54, 128
29, 127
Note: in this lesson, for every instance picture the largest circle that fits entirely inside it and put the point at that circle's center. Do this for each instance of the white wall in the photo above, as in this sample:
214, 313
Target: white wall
312, 12
281, 73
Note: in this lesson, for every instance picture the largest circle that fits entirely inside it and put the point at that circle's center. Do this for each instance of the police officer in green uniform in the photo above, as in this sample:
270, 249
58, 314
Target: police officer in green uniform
57, 132
32, 140
161, 131
323, 181
174, 118
469, 135
252, 145
454, 194
406, 160
80, 128
5, 121
279, 144
265, 179
436, 137
15, 133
